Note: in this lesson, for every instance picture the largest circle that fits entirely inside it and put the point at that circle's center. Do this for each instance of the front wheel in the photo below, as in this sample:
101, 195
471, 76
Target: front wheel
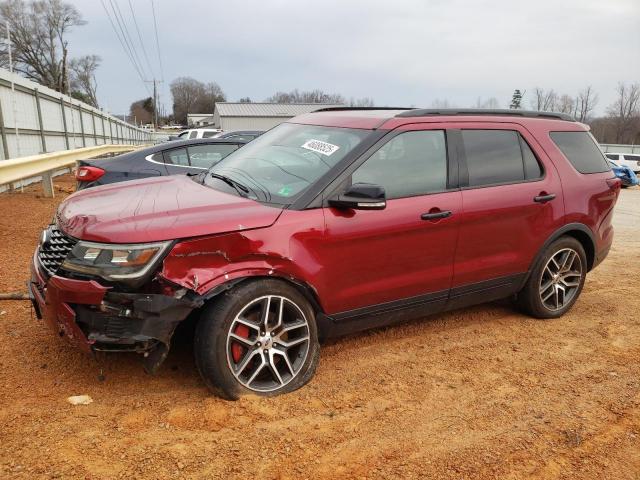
556, 281
259, 337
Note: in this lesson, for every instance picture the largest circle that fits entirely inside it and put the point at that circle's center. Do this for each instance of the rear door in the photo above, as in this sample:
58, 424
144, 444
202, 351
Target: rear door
512, 202
402, 256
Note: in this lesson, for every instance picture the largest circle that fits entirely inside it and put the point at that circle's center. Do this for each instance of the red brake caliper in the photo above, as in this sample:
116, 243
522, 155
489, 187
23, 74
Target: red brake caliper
236, 348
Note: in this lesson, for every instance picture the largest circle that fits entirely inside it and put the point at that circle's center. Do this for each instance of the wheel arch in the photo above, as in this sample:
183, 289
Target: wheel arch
303, 287
580, 232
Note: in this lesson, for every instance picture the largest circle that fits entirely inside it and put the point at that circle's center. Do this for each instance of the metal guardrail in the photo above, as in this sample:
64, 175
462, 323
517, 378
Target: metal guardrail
35, 119
619, 148
47, 163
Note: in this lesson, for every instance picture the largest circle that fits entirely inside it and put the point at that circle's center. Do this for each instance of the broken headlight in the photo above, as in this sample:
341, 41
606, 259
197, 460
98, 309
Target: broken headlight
113, 261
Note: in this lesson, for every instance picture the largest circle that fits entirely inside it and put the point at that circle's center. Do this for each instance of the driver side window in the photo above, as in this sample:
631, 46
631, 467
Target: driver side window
412, 163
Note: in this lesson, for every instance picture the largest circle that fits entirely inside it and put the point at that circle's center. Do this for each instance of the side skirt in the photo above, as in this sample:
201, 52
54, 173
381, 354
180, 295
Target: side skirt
398, 311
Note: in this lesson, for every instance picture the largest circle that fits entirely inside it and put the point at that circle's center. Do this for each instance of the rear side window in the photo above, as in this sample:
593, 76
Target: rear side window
206, 156
581, 151
410, 164
209, 134
498, 156
610, 156
193, 134
177, 156
632, 158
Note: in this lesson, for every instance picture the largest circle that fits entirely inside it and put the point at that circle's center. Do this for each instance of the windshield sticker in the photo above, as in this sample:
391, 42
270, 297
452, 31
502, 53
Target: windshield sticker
321, 147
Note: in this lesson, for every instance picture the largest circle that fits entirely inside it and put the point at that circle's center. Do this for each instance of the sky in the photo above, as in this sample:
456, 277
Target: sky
400, 53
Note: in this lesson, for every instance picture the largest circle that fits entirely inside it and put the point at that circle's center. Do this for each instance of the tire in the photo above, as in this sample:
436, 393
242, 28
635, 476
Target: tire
237, 355
553, 287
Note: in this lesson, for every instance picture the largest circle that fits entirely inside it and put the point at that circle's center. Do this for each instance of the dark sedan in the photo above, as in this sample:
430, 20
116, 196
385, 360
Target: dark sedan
184, 156
247, 135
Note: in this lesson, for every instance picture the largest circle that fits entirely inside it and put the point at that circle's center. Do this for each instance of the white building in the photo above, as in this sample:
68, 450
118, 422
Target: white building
198, 119
231, 116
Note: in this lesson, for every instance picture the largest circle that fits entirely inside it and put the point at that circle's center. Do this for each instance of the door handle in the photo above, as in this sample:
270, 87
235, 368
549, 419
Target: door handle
436, 215
544, 198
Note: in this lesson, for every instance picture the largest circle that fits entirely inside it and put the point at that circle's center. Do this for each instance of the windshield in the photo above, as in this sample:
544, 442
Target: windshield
281, 164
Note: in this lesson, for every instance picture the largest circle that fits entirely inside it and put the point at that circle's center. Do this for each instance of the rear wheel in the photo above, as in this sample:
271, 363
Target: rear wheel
556, 281
260, 338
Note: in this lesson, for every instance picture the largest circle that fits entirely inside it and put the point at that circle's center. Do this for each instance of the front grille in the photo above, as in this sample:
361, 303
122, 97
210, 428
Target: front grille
54, 249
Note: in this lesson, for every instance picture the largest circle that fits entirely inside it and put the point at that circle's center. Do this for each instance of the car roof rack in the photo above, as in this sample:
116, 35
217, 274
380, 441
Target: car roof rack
339, 109
483, 111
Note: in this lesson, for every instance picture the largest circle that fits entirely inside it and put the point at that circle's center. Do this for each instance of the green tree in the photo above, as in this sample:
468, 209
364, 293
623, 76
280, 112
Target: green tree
516, 100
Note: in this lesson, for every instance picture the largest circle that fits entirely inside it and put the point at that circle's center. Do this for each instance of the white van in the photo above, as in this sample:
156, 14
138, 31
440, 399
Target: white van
627, 159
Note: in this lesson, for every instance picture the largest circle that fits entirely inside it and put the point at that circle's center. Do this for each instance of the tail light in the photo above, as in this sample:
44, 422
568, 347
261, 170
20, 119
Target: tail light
614, 183
89, 174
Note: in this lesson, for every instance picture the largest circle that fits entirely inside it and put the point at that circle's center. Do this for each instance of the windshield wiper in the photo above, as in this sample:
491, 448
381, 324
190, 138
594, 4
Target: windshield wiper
241, 189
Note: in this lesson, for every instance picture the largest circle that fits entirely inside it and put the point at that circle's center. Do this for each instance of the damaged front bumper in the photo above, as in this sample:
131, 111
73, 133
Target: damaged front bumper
94, 318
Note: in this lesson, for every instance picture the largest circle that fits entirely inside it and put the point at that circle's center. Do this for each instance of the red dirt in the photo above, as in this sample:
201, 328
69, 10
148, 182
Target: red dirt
483, 392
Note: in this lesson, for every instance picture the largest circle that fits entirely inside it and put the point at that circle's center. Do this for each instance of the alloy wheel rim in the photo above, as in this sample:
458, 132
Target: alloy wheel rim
268, 343
560, 279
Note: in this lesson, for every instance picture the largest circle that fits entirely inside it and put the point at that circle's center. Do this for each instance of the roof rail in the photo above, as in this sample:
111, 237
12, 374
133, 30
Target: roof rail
338, 109
482, 111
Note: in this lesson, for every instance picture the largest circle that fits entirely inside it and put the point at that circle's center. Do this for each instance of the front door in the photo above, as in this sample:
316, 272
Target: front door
377, 261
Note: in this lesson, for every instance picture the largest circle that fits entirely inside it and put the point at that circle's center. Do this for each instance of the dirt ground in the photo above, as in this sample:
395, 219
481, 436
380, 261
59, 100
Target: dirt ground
483, 392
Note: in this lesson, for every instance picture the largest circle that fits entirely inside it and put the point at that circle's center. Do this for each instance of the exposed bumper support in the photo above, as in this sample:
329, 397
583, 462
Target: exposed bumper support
93, 318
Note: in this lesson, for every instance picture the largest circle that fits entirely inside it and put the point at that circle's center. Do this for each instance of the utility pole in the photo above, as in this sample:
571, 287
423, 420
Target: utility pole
155, 101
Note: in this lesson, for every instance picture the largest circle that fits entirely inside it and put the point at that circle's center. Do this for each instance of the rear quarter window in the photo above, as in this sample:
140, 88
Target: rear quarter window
581, 151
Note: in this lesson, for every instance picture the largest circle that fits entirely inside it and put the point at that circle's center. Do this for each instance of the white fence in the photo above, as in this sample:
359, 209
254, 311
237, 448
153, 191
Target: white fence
35, 119
613, 147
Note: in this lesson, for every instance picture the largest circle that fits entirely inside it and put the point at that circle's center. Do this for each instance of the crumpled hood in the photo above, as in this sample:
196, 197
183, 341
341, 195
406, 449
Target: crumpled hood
158, 208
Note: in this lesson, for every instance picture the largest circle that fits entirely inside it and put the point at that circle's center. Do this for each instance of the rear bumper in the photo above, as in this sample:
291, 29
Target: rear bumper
92, 317
601, 255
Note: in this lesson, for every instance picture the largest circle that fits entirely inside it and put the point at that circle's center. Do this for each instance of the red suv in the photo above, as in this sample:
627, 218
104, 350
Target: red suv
337, 221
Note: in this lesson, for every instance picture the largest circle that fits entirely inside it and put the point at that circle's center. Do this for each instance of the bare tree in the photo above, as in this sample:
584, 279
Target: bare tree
311, 96
186, 92
361, 102
38, 39
490, 103
565, 104
585, 103
82, 80
544, 100
192, 96
438, 103
625, 111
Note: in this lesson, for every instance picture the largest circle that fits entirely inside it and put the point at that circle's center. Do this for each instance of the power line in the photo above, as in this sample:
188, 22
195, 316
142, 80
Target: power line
155, 25
122, 44
126, 36
144, 50
125, 29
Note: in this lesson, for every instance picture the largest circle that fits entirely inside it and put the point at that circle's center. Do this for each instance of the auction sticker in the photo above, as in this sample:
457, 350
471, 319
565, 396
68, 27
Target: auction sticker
320, 147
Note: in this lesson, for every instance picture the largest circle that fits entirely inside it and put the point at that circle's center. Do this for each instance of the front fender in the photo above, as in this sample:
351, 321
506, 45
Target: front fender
207, 265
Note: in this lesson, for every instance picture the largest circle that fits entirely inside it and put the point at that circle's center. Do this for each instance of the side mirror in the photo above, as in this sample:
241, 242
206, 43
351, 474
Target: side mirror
361, 196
